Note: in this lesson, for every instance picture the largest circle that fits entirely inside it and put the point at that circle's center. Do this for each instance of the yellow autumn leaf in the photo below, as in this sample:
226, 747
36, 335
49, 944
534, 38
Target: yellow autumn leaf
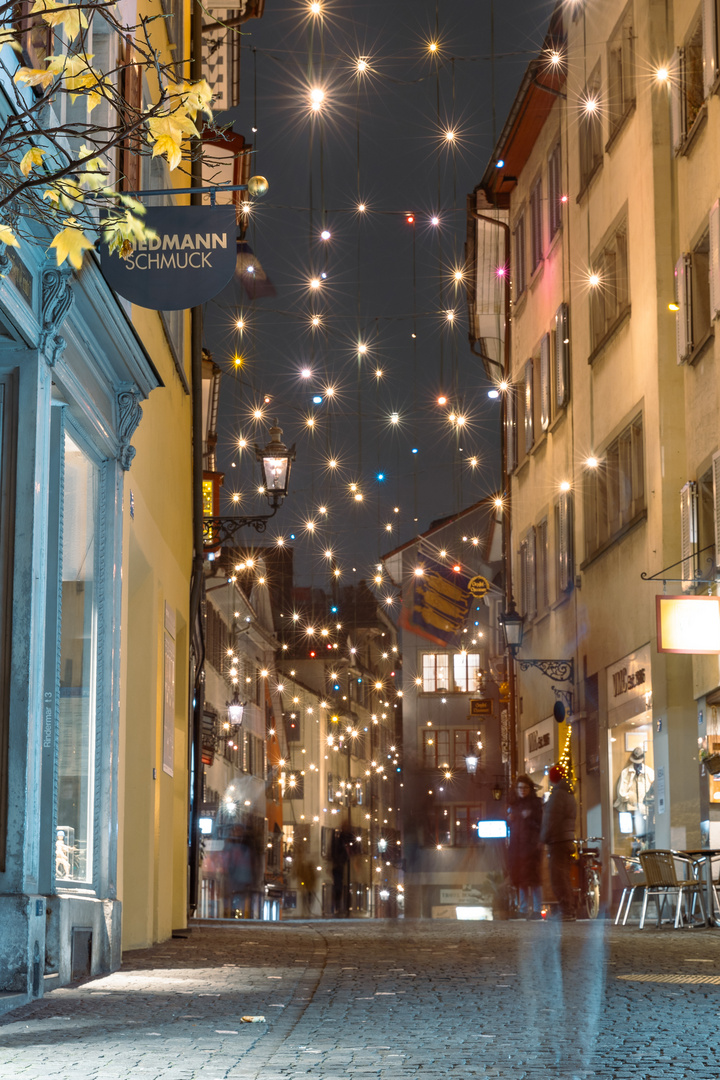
71, 18
9, 37
167, 146
196, 97
71, 243
175, 126
8, 237
33, 76
33, 157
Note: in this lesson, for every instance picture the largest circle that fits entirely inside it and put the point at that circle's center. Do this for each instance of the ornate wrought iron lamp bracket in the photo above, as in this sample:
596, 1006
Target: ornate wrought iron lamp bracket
220, 530
562, 670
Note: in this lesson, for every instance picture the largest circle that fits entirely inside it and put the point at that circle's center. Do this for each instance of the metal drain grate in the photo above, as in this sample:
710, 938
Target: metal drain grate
713, 980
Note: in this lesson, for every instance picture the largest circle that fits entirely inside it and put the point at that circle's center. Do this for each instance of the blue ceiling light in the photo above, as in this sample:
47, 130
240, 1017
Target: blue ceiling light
292, 536
493, 394
333, 609
414, 450
499, 163
381, 476
317, 399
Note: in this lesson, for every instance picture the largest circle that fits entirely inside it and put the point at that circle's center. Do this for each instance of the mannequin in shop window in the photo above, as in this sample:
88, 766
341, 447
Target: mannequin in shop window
634, 793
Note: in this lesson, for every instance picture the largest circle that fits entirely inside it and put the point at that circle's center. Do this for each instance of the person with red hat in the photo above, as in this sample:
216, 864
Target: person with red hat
558, 833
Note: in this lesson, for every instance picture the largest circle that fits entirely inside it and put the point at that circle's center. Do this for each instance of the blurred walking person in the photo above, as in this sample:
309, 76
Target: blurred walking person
558, 832
525, 814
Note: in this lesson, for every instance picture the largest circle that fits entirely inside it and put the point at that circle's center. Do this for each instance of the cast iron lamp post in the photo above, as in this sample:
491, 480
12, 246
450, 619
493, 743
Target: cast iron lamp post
275, 461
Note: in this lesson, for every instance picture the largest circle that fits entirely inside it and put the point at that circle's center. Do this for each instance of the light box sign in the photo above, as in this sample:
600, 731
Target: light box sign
190, 261
688, 624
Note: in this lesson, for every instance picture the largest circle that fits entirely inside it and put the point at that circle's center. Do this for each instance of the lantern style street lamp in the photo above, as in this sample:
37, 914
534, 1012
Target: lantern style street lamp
512, 628
235, 710
275, 461
471, 763
559, 670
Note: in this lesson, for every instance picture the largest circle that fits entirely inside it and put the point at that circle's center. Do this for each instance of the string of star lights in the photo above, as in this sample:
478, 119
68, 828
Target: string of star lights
382, 404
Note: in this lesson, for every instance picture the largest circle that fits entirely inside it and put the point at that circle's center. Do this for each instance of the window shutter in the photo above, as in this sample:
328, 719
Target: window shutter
709, 36
683, 316
510, 430
688, 533
677, 99
714, 238
530, 588
523, 567
545, 383
716, 505
562, 352
528, 412
565, 544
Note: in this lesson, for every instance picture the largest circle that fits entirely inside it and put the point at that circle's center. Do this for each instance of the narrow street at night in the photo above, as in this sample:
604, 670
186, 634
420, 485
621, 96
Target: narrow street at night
385, 999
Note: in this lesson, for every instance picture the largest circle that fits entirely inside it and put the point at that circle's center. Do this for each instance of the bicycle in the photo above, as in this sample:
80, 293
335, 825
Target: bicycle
586, 876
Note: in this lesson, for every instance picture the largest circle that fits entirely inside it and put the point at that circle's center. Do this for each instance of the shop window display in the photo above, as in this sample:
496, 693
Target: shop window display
633, 785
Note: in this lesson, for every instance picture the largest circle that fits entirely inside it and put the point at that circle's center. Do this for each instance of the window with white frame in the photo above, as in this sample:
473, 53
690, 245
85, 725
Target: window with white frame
435, 672
609, 294
465, 672
561, 375
590, 133
520, 274
700, 526
436, 748
692, 73
621, 73
555, 190
528, 418
536, 226
564, 551
615, 488
697, 289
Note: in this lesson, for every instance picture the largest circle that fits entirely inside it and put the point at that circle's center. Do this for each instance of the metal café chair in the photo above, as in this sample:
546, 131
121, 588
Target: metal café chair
662, 879
631, 883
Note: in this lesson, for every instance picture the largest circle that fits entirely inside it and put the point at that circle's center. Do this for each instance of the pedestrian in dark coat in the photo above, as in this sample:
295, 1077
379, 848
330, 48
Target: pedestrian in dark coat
524, 854
558, 832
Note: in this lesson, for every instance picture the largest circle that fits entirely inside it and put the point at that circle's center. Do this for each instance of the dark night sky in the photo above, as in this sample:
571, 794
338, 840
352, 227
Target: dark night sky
375, 292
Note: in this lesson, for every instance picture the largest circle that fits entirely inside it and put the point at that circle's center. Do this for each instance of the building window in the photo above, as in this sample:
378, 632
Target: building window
436, 749
527, 575
610, 297
562, 358
615, 488
528, 407
542, 574
687, 84
590, 134
565, 566
292, 727
520, 275
536, 226
466, 667
78, 668
694, 283
435, 672
466, 741
456, 826
621, 62
555, 190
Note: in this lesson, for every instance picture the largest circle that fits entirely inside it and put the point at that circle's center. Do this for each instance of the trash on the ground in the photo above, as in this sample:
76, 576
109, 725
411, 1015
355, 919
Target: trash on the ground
219, 1032
253, 1019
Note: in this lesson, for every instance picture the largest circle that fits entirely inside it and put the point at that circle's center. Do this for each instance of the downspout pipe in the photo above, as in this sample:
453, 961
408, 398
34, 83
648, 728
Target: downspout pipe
506, 533
197, 690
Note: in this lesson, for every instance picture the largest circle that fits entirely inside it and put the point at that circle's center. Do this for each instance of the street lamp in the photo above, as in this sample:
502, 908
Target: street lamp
275, 460
471, 763
512, 627
235, 710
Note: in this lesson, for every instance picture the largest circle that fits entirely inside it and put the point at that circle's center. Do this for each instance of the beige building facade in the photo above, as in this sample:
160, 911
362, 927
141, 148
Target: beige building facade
604, 175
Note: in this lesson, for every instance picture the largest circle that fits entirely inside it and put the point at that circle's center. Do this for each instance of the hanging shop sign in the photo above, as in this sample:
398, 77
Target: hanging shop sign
688, 624
191, 259
481, 707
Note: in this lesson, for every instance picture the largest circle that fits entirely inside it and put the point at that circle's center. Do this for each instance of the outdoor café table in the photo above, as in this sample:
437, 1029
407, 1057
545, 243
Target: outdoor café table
707, 855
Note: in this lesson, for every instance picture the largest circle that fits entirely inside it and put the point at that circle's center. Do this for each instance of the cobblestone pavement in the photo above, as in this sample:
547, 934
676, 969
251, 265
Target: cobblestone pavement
416, 1000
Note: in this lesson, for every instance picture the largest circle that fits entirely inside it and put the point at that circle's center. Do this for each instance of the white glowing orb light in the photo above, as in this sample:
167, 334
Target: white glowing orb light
317, 96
